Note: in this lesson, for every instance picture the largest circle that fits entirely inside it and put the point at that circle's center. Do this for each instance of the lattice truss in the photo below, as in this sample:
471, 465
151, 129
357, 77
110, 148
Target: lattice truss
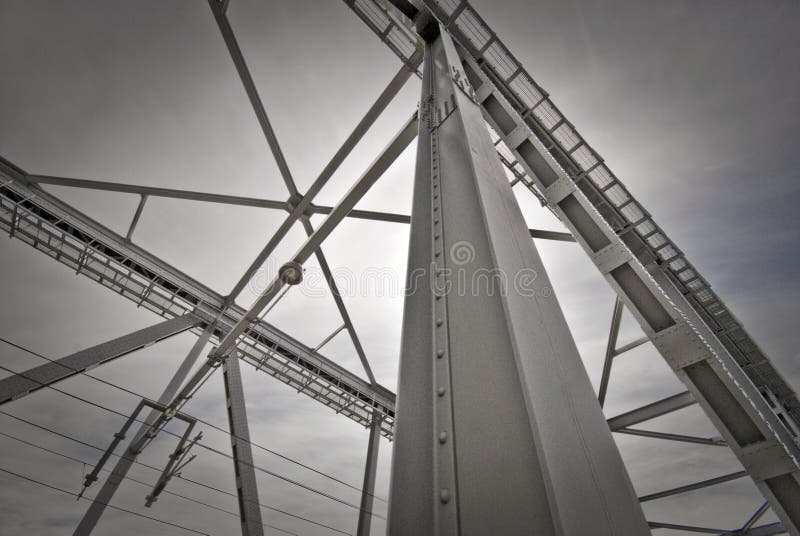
725, 372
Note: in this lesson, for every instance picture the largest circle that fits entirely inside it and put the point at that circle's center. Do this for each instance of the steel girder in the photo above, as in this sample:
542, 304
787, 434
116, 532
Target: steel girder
129, 455
715, 378
746, 398
492, 365
31, 380
244, 470
90, 249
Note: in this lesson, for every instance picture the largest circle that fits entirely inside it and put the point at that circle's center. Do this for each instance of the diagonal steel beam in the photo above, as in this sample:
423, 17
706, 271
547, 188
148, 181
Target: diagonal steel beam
337, 297
693, 486
136, 216
368, 489
218, 9
711, 441
616, 317
128, 457
651, 411
303, 205
403, 138
64, 234
763, 530
25, 383
242, 451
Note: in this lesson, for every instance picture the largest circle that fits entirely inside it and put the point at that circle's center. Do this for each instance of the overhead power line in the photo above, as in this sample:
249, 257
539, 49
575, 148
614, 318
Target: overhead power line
152, 468
200, 420
201, 445
67, 492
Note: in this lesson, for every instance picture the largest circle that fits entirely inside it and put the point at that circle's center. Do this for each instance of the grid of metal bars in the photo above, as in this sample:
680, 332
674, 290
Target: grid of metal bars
27, 215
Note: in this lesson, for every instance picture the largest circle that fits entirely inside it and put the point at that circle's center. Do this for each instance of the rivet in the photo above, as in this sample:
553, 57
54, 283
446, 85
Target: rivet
440, 391
444, 495
439, 322
440, 354
436, 220
436, 196
438, 296
438, 253
436, 236
442, 437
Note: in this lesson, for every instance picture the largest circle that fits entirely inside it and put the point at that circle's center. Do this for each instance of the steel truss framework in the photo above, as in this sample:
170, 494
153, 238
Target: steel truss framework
725, 373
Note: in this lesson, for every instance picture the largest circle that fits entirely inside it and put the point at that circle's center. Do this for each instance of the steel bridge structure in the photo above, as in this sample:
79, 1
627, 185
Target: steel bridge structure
482, 118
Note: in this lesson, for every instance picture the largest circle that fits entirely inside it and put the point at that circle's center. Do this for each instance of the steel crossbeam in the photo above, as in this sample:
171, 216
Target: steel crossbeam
64, 234
31, 380
364, 525
556, 469
724, 370
128, 457
245, 476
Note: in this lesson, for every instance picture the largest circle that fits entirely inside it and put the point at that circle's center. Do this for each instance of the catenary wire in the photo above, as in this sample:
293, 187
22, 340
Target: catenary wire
201, 445
137, 481
207, 423
157, 470
73, 494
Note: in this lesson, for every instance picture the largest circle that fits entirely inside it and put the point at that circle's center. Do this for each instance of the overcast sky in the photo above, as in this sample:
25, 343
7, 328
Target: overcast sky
695, 106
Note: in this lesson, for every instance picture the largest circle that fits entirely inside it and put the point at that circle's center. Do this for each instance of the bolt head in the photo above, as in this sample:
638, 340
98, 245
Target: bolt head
291, 273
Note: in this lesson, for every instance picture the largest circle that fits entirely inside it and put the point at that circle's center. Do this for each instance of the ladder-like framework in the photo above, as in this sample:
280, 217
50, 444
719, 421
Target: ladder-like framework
724, 370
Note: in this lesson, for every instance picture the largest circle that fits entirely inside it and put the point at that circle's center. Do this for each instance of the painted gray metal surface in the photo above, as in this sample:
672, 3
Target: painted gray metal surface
85, 246
375, 170
368, 488
128, 458
246, 486
718, 380
498, 429
25, 383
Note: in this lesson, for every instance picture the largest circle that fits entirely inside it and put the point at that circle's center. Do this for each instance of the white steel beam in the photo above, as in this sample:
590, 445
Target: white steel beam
693, 486
246, 485
616, 318
337, 298
651, 411
151, 191
303, 205
485, 367
370, 472
219, 10
31, 380
64, 234
128, 457
363, 184
680, 331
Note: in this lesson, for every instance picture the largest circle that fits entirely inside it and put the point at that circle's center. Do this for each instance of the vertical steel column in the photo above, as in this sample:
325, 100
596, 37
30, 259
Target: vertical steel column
246, 487
498, 428
104, 496
370, 468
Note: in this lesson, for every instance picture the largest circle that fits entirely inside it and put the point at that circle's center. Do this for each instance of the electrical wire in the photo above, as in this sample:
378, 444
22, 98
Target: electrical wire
67, 492
145, 484
157, 470
207, 423
202, 445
